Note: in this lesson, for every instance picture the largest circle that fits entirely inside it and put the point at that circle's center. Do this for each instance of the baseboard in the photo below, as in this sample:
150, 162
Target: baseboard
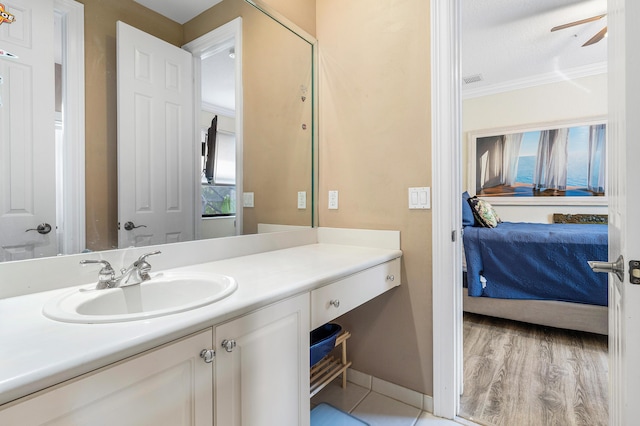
391, 390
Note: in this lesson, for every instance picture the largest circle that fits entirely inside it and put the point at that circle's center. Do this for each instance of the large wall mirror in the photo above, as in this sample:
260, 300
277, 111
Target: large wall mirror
269, 131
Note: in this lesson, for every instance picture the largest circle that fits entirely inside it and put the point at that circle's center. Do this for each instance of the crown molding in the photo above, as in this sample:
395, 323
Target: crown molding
536, 80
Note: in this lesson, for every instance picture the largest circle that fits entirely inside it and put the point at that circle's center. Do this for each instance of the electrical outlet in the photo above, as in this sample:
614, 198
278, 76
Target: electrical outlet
302, 199
247, 199
333, 200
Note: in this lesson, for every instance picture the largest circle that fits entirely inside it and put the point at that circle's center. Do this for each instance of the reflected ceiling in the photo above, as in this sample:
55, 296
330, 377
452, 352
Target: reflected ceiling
179, 11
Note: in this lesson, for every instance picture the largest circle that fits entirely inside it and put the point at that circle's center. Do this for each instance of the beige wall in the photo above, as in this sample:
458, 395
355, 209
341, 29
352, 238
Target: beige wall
301, 12
374, 145
100, 18
566, 101
276, 149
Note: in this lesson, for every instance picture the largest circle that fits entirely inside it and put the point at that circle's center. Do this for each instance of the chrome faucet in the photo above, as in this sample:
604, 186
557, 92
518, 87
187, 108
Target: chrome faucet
106, 276
137, 273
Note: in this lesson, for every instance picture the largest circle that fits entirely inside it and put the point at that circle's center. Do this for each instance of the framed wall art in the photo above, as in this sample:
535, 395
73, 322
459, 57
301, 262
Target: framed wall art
547, 160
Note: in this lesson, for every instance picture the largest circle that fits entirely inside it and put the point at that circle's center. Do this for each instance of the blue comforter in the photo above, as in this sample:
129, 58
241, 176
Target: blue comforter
537, 261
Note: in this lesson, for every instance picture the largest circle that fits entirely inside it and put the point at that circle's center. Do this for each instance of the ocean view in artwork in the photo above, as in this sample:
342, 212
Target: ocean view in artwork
578, 155
577, 169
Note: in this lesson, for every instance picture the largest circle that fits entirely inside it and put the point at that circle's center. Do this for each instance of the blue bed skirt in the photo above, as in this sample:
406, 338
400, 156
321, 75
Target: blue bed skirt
537, 261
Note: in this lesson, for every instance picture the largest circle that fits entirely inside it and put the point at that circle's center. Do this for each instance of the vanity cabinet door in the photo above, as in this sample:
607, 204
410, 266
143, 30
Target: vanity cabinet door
262, 366
170, 385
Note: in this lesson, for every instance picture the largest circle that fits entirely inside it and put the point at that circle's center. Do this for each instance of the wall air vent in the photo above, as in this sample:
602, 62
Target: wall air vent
472, 78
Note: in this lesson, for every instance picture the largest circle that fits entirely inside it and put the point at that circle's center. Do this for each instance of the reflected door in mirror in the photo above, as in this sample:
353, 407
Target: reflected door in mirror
156, 149
27, 137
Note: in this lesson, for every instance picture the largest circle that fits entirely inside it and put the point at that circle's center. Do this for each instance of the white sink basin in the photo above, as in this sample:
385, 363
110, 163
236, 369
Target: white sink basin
163, 294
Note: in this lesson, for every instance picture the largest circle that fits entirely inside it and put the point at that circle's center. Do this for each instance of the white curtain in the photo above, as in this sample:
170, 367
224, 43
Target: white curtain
597, 158
510, 155
551, 163
489, 166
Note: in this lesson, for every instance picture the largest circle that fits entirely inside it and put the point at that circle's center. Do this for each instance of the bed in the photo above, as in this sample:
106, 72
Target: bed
537, 273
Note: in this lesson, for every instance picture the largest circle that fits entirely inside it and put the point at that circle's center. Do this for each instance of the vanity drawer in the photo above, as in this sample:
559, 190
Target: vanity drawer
333, 300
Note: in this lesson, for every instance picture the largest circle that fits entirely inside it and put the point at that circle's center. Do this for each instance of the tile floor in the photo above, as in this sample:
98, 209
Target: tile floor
374, 408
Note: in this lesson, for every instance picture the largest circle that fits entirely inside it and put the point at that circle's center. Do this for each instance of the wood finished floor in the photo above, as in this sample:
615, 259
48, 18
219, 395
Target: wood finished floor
518, 374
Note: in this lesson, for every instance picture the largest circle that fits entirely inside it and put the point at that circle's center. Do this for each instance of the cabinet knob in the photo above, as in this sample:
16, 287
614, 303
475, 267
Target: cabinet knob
335, 303
228, 345
207, 355
390, 278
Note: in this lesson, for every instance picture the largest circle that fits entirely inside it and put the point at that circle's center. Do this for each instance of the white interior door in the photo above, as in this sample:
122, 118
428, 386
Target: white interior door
156, 148
27, 138
624, 205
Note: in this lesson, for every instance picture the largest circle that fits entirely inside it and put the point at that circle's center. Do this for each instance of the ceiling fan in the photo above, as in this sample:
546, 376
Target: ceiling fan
596, 38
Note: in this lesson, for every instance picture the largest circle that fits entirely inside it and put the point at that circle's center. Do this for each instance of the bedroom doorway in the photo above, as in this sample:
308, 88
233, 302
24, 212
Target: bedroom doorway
446, 25
520, 366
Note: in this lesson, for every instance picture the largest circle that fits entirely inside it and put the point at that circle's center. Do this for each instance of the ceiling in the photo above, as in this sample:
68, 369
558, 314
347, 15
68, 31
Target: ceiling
510, 43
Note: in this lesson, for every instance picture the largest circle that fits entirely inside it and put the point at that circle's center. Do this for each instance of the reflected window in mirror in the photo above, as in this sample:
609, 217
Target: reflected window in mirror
218, 178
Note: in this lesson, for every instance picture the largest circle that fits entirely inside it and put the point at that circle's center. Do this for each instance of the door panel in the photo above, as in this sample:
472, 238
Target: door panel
156, 148
624, 193
27, 135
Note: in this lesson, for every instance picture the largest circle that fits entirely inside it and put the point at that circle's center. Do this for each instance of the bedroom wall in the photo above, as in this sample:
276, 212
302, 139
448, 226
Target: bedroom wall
375, 144
572, 100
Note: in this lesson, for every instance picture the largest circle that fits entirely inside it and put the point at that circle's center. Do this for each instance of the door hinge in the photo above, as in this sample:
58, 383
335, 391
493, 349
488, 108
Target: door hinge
453, 236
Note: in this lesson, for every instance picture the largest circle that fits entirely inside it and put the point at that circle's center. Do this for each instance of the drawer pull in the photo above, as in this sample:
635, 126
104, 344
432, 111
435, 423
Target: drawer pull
390, 278
335, 303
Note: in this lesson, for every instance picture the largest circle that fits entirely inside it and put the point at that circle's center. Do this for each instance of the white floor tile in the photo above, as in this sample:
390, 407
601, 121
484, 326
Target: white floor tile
400, 393
428, 419
344, 399
378, 410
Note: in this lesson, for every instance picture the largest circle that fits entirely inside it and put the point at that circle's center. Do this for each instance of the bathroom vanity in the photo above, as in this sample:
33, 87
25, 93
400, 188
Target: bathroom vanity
243, 359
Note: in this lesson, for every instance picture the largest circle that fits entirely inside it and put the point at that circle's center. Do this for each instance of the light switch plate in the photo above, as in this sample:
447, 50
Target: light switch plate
333, 200
247, 199
420, 198
302, 200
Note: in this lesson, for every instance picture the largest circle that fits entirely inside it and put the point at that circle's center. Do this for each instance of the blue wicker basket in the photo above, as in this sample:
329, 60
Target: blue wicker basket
323, 339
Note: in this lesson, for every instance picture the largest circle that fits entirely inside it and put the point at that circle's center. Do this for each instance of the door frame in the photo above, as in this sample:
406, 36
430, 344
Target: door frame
447, 216
72, 239
200, 48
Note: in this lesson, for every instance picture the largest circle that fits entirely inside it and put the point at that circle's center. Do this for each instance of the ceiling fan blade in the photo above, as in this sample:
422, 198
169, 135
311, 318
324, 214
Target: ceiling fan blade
596, 38
580, 22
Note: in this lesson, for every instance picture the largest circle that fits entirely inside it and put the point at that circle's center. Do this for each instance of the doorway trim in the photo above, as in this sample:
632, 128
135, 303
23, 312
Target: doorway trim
73, 237
447, 220
200, 48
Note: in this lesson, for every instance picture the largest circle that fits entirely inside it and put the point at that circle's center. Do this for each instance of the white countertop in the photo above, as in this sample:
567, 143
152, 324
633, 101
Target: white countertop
37, 352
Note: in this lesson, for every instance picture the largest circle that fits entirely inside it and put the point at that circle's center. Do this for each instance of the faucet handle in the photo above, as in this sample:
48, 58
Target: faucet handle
143, 266
144, 256
106, 274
